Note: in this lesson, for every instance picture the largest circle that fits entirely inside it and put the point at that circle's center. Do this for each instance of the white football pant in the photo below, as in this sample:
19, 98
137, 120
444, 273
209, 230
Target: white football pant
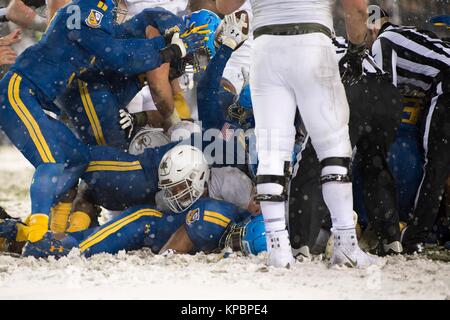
300, 71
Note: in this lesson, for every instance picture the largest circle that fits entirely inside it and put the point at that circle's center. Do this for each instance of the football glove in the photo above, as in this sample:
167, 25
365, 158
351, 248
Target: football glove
233, 34
127, 122
354, 63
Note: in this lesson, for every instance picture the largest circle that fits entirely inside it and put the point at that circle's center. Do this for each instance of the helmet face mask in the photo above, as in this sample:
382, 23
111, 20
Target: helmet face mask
200, 59
180, 195
240, 114
241, 110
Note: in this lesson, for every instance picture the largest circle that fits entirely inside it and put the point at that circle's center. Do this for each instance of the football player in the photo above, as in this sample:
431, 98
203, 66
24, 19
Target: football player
294, 67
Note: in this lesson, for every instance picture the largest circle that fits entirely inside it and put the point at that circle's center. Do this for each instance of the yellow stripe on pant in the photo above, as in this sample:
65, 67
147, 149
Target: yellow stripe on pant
91, 113
216, 218
113, 166
28, 120
116, 226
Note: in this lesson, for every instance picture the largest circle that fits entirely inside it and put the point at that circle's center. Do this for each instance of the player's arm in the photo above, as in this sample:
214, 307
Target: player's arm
161, 88
229, 6
179, 242
19, 13
179, 101
210, 93
355, 20
53, 6
158, 18
130, 56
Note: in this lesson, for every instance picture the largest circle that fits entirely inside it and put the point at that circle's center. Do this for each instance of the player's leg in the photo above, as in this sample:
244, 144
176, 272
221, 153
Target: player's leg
436, 170
44, 144
274, 110
406, 163
93, 111
306, 206
324, 109
127, 231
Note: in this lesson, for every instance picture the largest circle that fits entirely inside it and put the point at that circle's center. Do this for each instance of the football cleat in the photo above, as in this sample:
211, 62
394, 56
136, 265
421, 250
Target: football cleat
279, 249
346, 251
49, 246
302, 253
410, 244
394, 247
321, 241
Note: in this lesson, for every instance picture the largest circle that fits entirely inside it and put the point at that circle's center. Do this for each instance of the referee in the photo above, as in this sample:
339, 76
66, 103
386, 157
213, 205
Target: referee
418, 63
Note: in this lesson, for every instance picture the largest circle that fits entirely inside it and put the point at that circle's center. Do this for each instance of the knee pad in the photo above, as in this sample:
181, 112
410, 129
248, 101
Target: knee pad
281, 181
341, 173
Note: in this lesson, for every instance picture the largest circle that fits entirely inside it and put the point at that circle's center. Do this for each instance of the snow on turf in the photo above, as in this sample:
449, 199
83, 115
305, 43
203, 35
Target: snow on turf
142, 275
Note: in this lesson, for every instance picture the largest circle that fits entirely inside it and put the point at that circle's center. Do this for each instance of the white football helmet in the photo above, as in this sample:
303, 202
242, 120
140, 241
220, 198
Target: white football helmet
147, 138
183, 175
182, 130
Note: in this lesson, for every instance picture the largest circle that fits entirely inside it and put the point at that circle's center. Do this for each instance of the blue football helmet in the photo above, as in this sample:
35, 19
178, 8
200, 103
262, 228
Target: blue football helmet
197, 19
254, 236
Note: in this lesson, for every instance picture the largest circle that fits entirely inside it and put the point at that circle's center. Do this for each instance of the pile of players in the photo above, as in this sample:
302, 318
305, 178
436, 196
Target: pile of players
104, 105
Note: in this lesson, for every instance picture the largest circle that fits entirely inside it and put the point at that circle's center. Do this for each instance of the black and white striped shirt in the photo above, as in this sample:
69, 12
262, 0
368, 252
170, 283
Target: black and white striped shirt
413, 58
369, 64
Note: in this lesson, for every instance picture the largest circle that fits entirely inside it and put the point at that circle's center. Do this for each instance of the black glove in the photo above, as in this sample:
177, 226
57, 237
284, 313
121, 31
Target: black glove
353, 62
177, 68
130, 123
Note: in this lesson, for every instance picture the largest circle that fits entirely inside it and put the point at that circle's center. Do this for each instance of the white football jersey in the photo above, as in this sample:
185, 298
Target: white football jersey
270, 12
228, 184
231, 185
174, 6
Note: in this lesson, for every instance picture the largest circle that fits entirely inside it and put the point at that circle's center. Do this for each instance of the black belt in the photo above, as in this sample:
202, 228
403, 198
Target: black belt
292, 29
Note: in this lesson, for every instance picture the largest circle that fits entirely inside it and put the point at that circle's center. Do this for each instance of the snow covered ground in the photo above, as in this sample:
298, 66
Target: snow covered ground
141, 275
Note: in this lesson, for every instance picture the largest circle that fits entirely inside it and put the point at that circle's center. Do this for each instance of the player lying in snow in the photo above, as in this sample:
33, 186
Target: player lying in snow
117, 180
208, 227
196, 222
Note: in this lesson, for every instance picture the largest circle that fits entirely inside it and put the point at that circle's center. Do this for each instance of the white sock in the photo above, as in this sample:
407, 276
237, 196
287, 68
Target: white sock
273, 212
339, 199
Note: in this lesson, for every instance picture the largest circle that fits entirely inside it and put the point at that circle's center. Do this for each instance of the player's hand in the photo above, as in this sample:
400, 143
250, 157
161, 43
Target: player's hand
195, 37
127, 122
354, 63
13, 37
38, 227
233, 32
188, 42
7, 56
